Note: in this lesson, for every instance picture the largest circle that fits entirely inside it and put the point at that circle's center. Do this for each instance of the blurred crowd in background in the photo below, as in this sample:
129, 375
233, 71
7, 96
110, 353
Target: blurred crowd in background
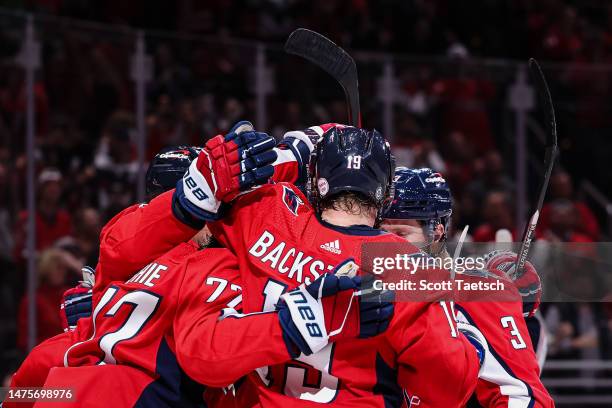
450, 112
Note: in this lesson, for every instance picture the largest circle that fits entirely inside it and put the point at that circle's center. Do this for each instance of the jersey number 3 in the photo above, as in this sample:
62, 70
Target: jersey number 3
516, 340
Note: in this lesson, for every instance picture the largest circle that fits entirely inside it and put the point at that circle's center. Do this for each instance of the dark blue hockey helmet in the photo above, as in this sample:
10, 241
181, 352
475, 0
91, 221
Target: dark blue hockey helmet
420, 194
167, 167
349, 159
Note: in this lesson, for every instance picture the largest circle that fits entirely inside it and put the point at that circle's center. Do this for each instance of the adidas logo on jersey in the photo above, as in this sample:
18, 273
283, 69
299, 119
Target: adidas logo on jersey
333, 246
290, 261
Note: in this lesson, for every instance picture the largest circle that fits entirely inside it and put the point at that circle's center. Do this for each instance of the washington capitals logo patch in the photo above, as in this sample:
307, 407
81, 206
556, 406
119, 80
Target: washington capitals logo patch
291, 200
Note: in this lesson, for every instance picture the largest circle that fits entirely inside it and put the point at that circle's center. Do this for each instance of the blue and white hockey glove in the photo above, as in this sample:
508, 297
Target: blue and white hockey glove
76, 302
329, 309
226, 167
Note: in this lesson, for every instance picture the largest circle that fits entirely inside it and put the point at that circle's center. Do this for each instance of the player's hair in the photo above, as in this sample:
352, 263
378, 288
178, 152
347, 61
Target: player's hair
351, 202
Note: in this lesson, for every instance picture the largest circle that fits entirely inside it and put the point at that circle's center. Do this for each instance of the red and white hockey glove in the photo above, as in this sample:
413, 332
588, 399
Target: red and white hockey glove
225, 168
503, 263
76, 302
329, 309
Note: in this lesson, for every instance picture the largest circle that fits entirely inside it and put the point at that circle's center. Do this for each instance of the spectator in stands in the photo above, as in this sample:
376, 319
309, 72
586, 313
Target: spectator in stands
171, 77
574, 329
13, 102
424, 154
52, 221
579, 327
115, 152
459, 156
188, 126
583, 226
115, 161
463, 96
85, 243
164, 130
57, 271
497, 212
413, 148
563, 224
562, 40
489, 175
206, 112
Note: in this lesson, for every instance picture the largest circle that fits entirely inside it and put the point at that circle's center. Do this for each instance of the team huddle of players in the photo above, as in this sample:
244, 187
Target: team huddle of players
239, 285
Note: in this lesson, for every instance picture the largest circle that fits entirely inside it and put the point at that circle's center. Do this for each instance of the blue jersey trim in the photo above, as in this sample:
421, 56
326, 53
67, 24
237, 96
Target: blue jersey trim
173, 388
363, 230
386, 383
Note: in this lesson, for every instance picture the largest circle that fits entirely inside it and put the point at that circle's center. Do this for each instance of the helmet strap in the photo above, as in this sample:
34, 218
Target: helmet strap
312, 192
432, 247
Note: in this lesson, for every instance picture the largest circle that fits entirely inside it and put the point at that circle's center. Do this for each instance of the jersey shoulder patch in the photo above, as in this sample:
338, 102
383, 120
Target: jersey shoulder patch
291, 200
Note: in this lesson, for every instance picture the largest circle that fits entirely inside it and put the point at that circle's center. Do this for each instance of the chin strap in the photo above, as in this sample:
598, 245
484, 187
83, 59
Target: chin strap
429, 229
428, 232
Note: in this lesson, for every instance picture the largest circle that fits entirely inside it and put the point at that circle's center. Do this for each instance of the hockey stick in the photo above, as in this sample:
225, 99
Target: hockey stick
324, 53
549, 160
458, 249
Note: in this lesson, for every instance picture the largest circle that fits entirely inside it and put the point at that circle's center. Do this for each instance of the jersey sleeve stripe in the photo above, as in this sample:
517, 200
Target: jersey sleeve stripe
497, 371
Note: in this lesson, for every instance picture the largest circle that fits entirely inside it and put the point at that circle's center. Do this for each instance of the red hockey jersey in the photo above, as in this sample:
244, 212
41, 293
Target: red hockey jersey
510, 375
144, 232
132, 239
168, 313
135, 237
281, 242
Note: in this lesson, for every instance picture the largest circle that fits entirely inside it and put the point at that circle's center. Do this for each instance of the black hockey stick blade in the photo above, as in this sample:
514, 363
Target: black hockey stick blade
324, 53
539, 81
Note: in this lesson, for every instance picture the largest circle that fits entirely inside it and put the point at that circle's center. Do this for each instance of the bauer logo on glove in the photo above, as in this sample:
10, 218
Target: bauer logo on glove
225, 168
332, 308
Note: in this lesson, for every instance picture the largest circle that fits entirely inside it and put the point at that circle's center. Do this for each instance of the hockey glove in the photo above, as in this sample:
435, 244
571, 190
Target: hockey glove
295, 149
226, 167
503, 263
76, 302
329, 309
313, 135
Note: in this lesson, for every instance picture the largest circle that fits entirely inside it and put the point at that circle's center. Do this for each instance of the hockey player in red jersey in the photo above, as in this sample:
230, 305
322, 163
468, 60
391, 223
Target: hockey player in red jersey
421, 211
143, 309
118, 247
284, 241
141, 233
132, 239
173, 304
128, 242
165, 169
142, 323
